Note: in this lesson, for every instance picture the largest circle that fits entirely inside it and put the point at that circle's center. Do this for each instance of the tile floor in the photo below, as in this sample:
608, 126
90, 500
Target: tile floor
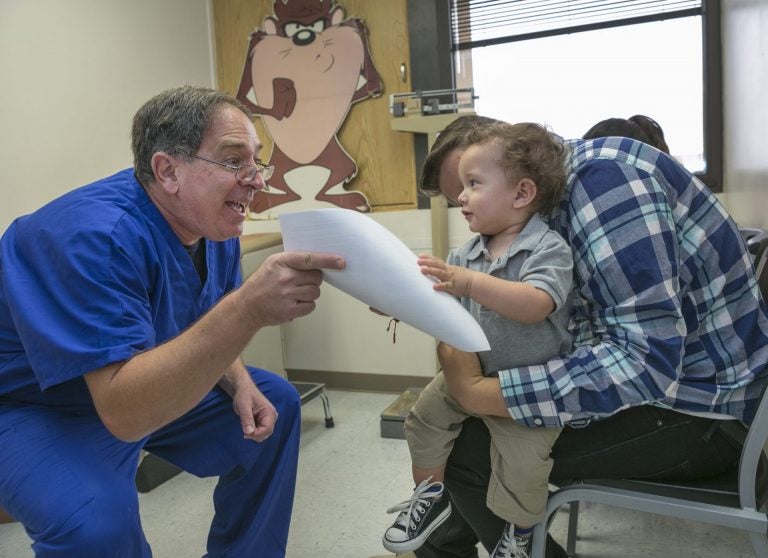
349, 475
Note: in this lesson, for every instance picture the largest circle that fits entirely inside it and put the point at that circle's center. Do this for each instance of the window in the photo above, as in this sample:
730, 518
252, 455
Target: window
572, 63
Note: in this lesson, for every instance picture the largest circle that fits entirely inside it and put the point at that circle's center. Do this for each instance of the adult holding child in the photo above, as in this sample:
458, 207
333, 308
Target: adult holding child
670, 335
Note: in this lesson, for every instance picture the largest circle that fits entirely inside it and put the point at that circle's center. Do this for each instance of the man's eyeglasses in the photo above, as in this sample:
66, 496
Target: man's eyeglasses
246, 173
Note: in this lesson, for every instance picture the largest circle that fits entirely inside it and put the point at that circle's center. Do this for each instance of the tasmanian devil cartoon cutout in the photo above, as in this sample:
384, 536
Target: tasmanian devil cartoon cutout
304, 69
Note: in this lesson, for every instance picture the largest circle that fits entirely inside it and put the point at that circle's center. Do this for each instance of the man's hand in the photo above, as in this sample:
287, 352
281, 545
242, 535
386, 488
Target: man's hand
257, 414
476, 393
451, 278
286, 286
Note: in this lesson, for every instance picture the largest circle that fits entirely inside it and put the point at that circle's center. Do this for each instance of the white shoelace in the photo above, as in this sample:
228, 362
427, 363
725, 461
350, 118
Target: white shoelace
507, 547
414, 508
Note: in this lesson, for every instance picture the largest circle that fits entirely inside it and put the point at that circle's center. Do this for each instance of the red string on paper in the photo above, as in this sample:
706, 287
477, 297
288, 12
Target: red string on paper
394, 328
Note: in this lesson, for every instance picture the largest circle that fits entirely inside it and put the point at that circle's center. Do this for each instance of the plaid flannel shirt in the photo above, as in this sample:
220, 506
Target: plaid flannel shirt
667, 307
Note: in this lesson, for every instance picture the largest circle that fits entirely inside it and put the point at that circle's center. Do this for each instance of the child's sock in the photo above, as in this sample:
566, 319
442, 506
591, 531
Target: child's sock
523, 538
523, 531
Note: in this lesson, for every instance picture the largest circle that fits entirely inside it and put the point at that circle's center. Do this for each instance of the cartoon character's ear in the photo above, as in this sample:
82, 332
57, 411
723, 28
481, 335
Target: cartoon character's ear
270, 25
526, 193
337, 15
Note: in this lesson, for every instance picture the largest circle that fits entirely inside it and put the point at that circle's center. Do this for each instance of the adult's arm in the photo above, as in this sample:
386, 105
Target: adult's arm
464, 375
138, 396
630, 344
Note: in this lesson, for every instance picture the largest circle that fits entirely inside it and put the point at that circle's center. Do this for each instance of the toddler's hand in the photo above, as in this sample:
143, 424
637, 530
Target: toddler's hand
451, 278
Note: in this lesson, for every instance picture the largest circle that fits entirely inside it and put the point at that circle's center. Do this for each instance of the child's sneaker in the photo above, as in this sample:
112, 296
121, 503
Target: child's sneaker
511, 545
421, 514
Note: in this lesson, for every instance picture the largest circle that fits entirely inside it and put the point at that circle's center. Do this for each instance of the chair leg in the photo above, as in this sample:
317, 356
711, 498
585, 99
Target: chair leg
573, 520
326, 410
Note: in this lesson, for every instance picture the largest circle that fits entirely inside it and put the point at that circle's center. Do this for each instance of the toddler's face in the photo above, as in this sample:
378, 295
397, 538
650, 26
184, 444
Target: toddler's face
487, 195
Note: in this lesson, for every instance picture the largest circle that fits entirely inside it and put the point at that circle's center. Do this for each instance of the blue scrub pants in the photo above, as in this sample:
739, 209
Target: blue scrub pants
72, 484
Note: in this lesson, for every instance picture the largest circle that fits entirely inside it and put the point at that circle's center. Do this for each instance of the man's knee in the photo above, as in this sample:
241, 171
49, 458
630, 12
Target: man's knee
280, 392
107, 525
287, 396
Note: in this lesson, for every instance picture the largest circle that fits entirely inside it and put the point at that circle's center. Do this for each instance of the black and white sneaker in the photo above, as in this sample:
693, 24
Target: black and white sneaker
511, 545
421, 514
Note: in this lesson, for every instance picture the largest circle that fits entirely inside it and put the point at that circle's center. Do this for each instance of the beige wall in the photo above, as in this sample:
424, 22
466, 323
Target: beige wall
73, 73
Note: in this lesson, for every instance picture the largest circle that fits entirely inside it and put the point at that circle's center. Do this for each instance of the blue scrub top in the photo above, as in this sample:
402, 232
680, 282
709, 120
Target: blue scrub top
92, 278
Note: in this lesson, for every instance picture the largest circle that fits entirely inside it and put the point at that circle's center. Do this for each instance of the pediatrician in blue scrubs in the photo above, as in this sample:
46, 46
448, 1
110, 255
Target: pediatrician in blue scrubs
122, 318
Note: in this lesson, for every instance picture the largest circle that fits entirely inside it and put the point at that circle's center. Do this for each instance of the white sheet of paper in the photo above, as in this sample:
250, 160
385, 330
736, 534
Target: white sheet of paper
382, 272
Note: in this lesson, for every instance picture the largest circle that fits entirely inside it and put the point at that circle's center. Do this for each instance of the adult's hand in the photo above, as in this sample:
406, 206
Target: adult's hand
476, 393
286, 286
257, 414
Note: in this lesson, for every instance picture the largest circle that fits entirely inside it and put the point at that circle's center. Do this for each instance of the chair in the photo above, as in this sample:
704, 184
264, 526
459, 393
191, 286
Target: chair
736, 499
757, 241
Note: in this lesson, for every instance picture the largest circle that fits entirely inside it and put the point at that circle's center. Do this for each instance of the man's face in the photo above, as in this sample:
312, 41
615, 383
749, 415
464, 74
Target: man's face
450, 183
210, 201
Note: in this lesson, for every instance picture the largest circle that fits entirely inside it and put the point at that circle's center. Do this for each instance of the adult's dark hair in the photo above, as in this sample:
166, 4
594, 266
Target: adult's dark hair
175, 122
639, 127
528, 150
453, 136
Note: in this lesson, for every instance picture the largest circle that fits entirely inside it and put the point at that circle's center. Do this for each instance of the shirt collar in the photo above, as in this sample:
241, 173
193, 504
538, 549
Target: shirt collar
527, 239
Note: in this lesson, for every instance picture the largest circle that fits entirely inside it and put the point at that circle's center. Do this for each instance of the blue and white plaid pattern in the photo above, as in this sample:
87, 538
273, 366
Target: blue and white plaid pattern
667, 308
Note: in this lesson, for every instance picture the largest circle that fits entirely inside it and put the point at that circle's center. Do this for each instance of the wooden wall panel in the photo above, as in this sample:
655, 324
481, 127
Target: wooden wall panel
385, 158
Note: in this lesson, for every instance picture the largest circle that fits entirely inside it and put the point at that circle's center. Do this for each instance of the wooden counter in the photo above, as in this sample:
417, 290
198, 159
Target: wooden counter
259, 241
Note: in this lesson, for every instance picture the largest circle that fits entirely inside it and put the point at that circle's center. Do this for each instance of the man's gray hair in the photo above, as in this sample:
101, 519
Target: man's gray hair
175, 122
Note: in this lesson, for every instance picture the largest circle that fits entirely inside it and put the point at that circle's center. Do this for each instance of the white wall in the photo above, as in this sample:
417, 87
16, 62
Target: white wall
73, 73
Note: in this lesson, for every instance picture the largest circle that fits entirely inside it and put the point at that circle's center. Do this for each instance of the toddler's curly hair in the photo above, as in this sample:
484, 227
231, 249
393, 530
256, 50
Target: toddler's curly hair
530, 151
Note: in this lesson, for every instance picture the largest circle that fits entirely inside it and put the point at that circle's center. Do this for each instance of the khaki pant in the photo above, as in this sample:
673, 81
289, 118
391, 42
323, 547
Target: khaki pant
520, 461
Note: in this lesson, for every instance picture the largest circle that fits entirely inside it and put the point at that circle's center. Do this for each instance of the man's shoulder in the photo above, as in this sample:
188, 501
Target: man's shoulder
87, 214
116, 192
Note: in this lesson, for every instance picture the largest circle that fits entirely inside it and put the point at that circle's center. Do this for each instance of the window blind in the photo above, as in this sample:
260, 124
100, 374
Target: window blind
477, 23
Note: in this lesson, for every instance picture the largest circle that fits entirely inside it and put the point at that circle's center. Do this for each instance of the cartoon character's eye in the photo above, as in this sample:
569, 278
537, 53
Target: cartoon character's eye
291, 29
318, 26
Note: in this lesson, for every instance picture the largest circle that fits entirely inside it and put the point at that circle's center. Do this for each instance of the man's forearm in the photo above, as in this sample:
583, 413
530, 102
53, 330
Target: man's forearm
154, 388
233, 377
481, 396
464, 376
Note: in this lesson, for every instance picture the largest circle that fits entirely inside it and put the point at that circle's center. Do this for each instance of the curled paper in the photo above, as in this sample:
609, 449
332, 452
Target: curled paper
381, 272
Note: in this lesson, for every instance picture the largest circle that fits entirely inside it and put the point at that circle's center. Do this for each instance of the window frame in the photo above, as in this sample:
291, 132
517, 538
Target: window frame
712, 117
